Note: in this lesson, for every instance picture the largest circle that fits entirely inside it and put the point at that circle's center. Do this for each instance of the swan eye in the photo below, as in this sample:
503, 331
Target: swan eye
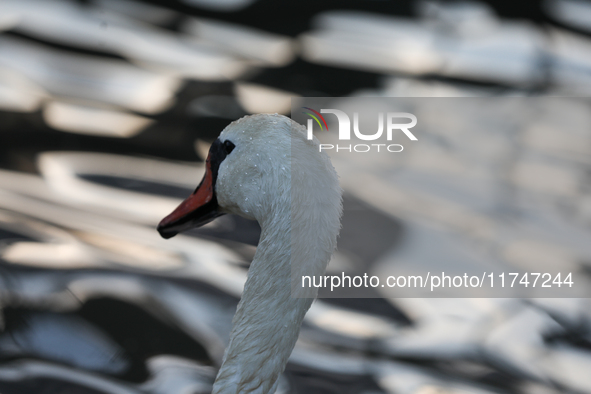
229, 146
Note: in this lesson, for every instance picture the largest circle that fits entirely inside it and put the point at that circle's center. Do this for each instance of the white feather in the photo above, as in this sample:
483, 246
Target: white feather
278, 177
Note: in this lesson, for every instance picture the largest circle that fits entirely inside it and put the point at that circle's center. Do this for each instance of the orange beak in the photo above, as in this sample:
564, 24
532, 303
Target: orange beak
198, 209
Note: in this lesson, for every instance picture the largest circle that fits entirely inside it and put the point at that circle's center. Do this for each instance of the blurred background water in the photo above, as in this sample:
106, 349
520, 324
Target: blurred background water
107, 109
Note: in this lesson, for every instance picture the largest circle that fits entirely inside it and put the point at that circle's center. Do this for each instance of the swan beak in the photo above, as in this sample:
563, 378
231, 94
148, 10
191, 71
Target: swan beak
198, 209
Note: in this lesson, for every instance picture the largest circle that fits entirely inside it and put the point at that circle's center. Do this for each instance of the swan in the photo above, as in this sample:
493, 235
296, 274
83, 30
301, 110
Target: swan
263, 167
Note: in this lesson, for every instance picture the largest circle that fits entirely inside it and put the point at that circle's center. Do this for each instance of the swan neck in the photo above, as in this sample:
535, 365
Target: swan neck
268, 318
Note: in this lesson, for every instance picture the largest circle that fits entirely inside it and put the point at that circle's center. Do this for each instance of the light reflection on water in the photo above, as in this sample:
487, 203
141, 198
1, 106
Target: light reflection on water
105, 109
76, 261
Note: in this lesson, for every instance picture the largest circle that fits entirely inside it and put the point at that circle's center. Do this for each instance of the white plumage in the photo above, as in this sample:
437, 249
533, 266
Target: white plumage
279, 178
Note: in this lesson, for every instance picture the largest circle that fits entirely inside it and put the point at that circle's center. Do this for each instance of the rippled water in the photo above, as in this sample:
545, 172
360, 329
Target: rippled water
105, 120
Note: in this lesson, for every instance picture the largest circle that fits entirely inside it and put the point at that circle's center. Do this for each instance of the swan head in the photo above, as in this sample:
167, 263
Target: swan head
262, 167
251, 171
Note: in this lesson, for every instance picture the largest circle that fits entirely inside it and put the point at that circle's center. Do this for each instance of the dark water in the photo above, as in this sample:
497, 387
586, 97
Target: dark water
102, 133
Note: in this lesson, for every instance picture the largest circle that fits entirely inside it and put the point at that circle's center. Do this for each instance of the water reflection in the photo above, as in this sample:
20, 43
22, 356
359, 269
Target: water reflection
107, 106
